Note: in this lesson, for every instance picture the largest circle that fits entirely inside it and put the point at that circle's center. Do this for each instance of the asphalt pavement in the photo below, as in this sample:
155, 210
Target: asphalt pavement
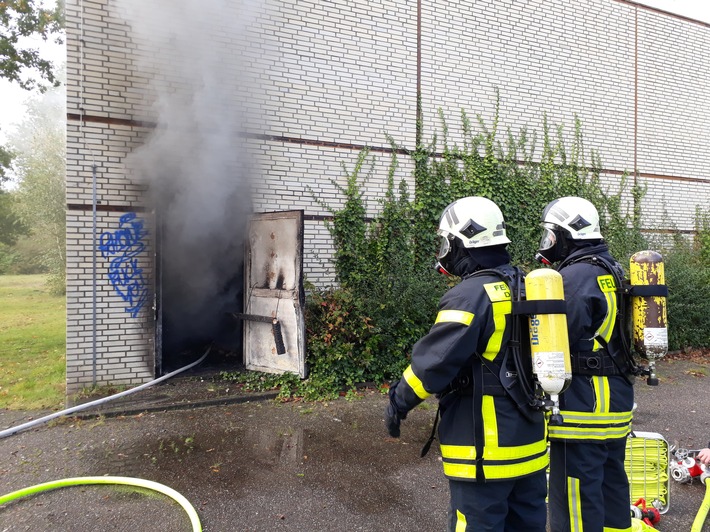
249, 463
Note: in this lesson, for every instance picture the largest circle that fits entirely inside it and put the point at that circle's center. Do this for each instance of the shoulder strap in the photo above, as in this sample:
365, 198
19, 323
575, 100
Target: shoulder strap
620, 351
594, 259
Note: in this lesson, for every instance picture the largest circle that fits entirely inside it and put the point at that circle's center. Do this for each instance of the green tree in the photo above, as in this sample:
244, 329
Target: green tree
39, 166
20, 19
5, 163
11, 228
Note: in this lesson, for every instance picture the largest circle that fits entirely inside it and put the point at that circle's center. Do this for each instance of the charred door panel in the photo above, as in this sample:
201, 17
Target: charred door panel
273, 294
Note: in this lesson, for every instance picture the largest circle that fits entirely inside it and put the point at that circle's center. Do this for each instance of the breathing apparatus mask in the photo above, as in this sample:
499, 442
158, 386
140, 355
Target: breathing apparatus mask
456, 259
553, 245
444, 257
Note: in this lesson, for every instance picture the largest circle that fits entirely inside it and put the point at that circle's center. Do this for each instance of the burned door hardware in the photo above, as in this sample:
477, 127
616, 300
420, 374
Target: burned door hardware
275, 328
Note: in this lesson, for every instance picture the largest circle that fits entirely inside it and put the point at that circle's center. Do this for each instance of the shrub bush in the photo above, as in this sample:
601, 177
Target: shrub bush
362, 330
24, 258
687, 270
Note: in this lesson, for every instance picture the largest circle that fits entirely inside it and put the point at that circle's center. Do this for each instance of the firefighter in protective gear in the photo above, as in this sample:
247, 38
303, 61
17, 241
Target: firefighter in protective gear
588, 487
494, 449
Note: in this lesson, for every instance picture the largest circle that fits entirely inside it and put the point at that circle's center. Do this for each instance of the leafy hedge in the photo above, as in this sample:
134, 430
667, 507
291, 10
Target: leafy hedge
363, 329
687, 270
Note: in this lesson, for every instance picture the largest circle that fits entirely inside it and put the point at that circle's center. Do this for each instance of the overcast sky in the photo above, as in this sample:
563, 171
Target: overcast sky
697, 9
12, 98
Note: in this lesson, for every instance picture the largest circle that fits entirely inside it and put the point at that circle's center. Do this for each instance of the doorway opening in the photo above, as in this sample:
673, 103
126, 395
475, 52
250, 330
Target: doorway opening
198, 288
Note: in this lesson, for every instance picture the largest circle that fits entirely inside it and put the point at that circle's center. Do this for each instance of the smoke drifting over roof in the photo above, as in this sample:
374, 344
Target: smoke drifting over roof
192, 55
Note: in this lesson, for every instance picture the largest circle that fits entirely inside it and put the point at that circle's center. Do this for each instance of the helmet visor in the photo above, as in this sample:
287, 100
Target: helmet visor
548, 240
444, 247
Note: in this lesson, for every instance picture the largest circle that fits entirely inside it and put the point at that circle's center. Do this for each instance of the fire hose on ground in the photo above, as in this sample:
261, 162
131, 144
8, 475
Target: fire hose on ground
704, 507
126, 481
649, 474
39, 421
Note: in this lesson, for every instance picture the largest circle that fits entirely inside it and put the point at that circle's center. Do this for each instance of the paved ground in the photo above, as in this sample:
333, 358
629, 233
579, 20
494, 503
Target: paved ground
248, 463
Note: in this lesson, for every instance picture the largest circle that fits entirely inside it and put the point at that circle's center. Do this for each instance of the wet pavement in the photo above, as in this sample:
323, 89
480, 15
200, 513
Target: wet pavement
249, 463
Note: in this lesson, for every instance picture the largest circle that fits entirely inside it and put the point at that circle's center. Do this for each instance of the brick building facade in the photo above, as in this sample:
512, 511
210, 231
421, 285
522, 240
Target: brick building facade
327, 79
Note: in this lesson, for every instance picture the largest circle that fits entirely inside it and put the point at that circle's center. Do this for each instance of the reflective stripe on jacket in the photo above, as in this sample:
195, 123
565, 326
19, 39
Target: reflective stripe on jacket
481, 436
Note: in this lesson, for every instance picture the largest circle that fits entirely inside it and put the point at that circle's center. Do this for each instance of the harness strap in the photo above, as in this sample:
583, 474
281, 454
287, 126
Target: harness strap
539, 306
596, 363
658, 290
620, 351
432, 436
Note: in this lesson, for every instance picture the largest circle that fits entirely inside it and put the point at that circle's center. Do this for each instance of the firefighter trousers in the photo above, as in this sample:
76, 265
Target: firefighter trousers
499, 506
589, 488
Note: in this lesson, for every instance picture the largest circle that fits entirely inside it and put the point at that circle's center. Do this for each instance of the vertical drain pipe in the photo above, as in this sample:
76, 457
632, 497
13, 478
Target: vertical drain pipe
94, 201
93, 276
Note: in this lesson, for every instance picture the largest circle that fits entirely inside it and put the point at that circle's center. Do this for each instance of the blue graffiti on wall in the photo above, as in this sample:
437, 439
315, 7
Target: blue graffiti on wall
124, 246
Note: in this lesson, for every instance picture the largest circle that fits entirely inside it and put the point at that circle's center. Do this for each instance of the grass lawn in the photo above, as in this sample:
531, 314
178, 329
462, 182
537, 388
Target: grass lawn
32, 344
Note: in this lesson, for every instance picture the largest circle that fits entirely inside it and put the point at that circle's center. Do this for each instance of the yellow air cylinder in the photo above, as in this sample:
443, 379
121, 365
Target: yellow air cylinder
648, 310
648, 313
548, 334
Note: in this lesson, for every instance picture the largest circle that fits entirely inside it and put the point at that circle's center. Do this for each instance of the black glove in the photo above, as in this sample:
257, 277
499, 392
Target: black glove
392, 420
393, 416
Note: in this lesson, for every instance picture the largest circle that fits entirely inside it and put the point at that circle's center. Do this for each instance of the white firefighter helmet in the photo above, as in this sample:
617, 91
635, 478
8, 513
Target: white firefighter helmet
475, 221
576, 216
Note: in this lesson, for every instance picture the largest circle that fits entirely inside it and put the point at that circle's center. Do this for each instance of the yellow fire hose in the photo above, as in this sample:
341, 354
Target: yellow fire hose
126, 481
704, 507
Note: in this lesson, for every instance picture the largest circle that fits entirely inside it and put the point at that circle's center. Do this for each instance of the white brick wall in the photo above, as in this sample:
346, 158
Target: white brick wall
340, 71
124, 340
674, 99
104, 147
330, 76
295, 176
551, 57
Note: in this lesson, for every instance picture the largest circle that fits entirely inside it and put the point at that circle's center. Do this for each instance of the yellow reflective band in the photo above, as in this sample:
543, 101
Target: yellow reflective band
606, 329
501, 304
601, 392
490, 427
591, 418
415, 383
589, 433
458, 452
513, 470
574, 503
607, 326
610, 529
517, 452
492, 471
454, 316
460, 522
